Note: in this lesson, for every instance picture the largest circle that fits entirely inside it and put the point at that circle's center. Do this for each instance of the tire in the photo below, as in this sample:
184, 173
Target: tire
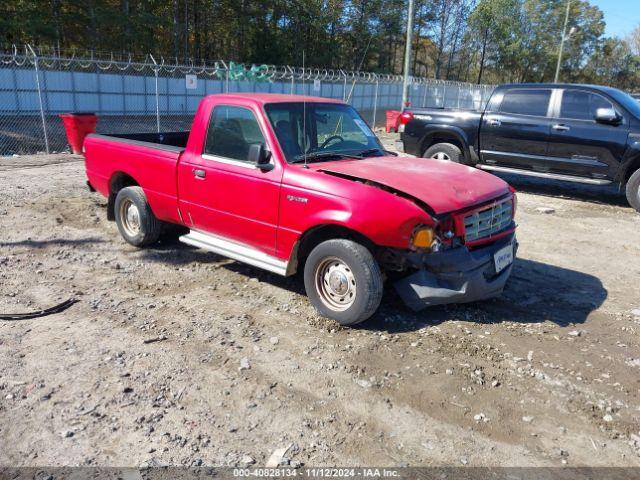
444, 151
633, 190
357, 274
136, 222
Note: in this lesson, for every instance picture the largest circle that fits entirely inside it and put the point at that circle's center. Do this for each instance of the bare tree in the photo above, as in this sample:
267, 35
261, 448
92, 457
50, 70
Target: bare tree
634, 40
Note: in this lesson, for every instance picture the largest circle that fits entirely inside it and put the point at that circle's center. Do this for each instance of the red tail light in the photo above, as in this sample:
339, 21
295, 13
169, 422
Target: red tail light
405, 117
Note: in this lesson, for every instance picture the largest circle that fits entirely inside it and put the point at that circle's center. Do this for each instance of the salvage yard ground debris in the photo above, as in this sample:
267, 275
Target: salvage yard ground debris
549, 374
60, 307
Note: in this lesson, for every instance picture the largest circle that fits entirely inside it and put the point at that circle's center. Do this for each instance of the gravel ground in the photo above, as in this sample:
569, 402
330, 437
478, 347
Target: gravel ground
178, 356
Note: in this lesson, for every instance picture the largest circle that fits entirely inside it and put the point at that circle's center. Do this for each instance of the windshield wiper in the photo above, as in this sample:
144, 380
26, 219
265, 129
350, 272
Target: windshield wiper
325, 155
319, 155
369, 151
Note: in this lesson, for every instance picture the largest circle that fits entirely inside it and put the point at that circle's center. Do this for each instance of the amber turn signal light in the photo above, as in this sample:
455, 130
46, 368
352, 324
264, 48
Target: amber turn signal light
423, 238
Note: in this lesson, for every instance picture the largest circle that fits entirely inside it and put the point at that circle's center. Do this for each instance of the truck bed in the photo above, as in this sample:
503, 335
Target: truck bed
146, 159
447, 123
419, 110
175, 141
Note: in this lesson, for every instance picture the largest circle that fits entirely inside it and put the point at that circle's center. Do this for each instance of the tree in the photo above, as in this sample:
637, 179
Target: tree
484, 41
614, 63
634, 40
494, 29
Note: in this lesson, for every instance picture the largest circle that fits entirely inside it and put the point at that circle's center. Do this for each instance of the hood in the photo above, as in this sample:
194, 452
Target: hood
444, 186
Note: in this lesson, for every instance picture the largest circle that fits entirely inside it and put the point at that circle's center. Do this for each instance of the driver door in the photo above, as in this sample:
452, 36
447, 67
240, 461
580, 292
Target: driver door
223, 193
578, 144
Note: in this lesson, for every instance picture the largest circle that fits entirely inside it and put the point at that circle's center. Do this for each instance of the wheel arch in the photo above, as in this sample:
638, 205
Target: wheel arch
451, 135
631, 168
317, 234
117, 182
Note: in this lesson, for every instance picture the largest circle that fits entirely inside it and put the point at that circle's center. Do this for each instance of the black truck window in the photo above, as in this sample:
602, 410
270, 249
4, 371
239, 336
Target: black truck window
526, 102
581, 105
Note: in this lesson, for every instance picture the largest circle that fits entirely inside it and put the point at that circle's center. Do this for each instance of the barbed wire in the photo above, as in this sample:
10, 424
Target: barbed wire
68, 59
144, 93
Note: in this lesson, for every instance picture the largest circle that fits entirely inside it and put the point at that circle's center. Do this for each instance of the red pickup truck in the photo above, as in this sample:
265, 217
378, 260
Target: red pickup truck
289, 183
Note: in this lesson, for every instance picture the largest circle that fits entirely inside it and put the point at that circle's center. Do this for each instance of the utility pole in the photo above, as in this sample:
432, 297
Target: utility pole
407, 56
564, 37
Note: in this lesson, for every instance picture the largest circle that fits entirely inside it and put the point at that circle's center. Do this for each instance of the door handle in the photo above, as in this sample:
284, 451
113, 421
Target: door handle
561, 128
199, 173
494, 122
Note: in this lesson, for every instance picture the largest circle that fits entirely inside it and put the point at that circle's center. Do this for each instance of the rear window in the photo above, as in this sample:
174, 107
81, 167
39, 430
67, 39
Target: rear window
526, 102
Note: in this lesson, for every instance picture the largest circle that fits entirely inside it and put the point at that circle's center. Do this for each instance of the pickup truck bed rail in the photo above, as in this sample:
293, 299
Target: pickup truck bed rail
171, 141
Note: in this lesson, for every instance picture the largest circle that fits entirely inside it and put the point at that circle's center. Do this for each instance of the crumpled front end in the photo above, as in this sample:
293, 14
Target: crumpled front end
458, 275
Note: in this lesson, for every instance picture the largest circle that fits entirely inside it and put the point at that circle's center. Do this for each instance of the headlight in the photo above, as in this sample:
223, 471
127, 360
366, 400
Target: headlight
423, 237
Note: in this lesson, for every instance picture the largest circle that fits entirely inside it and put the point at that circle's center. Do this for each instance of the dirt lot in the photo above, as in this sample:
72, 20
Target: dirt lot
177, 356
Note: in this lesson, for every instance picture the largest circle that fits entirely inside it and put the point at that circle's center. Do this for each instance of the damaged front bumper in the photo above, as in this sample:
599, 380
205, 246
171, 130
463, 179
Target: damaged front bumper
458, 275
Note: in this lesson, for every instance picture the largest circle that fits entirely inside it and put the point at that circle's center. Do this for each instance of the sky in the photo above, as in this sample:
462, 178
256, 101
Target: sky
621, 16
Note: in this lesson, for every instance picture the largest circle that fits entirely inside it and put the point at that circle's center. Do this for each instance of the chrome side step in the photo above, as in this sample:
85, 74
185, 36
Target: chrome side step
554, 176
236, 251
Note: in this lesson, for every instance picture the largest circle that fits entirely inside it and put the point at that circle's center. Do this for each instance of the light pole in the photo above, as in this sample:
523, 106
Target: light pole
407, 57
564, 37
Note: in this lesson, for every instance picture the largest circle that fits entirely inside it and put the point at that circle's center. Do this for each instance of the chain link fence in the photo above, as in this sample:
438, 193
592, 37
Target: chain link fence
152, 95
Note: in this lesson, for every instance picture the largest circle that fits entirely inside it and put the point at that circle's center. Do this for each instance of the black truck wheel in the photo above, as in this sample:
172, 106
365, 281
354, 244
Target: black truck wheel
136, 222
444, 151
343, 281
633, 190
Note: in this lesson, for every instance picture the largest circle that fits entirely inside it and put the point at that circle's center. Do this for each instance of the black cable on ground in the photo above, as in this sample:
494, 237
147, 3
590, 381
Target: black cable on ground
41, 313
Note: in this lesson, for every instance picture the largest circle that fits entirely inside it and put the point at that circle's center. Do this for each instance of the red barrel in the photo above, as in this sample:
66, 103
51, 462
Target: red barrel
392, 120
78, 125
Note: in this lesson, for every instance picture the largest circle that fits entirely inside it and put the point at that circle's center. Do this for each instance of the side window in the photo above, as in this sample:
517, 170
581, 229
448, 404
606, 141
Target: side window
581, 105
232, 130
526, 102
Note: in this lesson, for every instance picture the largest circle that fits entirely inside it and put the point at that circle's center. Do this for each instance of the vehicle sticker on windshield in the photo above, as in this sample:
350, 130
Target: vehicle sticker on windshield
364, 127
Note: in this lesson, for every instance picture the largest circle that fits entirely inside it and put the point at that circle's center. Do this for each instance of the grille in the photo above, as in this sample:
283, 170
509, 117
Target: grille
488, 221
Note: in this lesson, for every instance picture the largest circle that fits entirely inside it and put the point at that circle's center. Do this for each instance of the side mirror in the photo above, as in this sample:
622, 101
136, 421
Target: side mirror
260, 156
608, 116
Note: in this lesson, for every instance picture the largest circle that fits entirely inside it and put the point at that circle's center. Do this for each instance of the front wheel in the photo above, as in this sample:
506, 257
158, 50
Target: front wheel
343, 281
633, 190
444, 151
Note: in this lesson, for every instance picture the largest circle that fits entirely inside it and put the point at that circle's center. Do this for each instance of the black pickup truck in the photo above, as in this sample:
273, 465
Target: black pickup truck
578, 133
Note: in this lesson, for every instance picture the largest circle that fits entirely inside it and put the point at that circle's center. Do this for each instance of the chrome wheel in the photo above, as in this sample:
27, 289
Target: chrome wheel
335, 284
441, 156
130, 217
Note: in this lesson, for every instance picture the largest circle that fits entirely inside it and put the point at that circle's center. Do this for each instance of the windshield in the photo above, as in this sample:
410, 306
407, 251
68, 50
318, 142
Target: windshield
331, 130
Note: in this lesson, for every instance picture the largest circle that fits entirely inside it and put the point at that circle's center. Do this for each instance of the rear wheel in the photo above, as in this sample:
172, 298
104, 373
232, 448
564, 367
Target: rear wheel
136, 222
343, 281
633, 190
444, 151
